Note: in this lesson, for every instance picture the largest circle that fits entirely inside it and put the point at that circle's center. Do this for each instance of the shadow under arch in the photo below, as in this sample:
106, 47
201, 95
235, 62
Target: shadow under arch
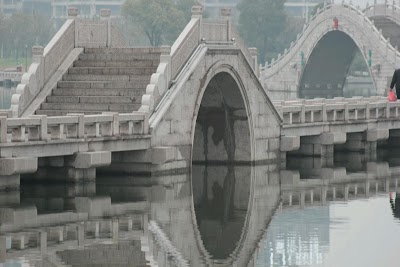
222, 129
326, 69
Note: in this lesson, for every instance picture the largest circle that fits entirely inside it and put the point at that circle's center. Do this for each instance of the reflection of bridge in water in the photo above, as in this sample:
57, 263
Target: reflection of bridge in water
109, 222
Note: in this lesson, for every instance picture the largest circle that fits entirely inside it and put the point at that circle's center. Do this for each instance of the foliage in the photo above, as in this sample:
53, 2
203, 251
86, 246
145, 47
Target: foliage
20, 32
160, 21
293, 26
261, 22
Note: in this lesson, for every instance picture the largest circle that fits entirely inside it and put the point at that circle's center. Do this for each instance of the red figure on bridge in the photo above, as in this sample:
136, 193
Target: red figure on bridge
335, 23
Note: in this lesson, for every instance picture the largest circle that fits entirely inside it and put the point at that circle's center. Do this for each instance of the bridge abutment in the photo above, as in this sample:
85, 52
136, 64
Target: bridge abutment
366, 142
148, 162
80, 167
12, 168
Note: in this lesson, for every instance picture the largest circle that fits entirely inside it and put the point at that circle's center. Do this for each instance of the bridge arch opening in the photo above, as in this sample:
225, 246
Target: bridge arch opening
326, 73
222, 132
221, 180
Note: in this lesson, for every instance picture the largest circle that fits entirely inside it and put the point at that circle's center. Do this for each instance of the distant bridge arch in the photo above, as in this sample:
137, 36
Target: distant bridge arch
289, 76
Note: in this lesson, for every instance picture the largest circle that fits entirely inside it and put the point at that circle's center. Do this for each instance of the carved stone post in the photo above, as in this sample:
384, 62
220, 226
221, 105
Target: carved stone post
226, 13
254, 55
105, 14
37, 58
197, 13
72, 12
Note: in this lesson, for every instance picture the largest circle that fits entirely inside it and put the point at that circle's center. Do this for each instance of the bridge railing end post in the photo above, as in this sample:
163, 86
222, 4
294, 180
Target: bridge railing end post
3, 129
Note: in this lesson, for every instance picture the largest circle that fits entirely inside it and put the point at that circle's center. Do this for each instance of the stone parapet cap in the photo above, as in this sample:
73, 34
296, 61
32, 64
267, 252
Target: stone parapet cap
197, 11
226, 11
37, 50
165, 50
105, 13
253, 51
73, 12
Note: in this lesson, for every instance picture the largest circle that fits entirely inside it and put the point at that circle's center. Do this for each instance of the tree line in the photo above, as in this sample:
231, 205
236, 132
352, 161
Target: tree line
264, 24
19, 32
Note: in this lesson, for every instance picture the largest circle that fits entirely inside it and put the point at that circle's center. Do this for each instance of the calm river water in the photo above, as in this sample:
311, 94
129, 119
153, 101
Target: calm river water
215, 216
5, 97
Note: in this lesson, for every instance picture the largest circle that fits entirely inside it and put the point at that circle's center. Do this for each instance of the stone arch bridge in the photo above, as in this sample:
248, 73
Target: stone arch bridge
316, 64
89, 104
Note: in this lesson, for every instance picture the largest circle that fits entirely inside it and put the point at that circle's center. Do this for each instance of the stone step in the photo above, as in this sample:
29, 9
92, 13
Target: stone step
72, 107
94, 99
118, 56
128, 50
120, 64
112, 70
102, 84
63, 112
98, 92
93, 77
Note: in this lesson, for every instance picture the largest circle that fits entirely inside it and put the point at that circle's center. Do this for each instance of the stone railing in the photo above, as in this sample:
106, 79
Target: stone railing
75, 33
45, 62
387, 10
184, 46
327, 13
338, 109
197, 31
11, 75
72, 126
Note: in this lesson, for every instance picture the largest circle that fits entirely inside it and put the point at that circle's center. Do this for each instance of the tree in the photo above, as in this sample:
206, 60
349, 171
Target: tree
186, 7
261, 22
22, 30
160, 20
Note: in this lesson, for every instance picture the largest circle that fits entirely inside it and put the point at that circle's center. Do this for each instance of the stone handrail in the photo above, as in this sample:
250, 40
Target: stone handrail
72, 127
323, 14
197, 31
184, 46
75, 33
45, 62
337, 110
171, 62
13, 75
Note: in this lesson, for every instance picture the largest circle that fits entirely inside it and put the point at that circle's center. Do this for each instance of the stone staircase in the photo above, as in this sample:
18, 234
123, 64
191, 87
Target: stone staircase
103, 80
390, 29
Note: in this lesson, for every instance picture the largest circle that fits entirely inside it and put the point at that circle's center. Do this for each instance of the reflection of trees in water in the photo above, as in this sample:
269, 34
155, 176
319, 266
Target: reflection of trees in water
5, 97
395, 204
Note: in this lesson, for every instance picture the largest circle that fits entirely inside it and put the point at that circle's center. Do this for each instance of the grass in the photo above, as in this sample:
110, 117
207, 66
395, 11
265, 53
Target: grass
12, 63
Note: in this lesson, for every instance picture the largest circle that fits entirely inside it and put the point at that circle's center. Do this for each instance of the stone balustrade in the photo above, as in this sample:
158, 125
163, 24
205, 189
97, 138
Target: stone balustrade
51, 62
199, 30
337, 110
73, 126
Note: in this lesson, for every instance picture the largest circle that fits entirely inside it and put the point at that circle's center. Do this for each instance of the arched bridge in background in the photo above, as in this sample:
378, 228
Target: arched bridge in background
317, 63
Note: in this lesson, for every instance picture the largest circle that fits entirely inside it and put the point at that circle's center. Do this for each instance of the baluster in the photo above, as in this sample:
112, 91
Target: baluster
93, 129
18, 134
57, 131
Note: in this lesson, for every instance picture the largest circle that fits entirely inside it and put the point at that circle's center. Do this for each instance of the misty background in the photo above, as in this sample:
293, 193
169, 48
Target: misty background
26, 23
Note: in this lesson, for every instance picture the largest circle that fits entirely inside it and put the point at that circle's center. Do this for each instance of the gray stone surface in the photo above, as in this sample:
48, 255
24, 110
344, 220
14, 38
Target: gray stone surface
11, 166
86, 160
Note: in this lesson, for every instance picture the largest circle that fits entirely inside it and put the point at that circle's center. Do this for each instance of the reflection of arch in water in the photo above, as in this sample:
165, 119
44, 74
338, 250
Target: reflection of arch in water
263, 200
